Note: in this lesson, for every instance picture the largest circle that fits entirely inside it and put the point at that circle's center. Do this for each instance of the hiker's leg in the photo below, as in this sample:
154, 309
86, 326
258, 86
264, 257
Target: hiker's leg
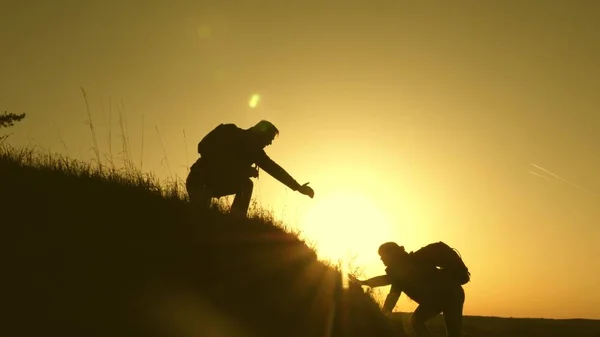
198, 194
221, 186
422, 314
243, 195
453, 313
202, 197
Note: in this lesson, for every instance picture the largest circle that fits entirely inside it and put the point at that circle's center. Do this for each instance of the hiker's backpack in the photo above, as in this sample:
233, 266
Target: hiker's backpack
446, 258
217, 140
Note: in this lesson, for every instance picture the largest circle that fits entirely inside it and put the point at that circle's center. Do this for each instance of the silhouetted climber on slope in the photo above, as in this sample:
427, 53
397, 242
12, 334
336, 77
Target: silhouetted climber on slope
225, 166
436, 290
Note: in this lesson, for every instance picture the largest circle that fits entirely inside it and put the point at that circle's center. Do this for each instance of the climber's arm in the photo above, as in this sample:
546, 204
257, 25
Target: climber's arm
272, 168
391, 299
377, 281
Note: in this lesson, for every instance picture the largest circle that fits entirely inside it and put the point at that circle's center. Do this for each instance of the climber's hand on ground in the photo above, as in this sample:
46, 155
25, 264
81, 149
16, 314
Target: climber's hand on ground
306, 190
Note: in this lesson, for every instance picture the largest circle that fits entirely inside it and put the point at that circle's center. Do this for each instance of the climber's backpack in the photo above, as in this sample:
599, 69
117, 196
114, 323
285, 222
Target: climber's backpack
218, 141
446, 258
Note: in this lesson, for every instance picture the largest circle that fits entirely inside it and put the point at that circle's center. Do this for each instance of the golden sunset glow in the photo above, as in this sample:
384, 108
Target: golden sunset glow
413, 122
346, 225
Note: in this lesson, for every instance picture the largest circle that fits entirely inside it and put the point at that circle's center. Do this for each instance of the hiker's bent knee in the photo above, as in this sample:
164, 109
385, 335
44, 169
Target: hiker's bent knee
200, 196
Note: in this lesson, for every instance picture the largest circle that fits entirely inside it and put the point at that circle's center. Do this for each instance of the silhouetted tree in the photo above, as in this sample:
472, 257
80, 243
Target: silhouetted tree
8, 120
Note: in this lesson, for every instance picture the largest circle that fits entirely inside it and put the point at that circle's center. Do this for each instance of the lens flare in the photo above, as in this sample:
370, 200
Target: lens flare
254, 101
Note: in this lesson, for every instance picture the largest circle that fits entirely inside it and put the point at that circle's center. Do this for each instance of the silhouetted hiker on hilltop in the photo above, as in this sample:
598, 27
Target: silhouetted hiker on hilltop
432, 276
225, 166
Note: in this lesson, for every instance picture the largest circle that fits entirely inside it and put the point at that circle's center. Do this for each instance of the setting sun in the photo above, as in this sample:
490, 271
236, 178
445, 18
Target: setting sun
346, 227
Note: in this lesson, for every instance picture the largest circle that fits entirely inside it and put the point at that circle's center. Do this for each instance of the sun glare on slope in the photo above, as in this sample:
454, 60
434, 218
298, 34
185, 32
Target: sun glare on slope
346, 227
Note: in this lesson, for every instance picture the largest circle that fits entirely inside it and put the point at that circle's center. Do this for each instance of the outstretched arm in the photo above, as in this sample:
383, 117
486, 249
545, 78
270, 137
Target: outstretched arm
276, 171
377, 281
391, 299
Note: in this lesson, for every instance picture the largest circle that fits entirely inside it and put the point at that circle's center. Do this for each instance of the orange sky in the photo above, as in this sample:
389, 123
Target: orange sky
413, 122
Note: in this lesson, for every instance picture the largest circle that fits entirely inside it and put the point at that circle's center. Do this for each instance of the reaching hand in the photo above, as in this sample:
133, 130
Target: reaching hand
306, 190
355, 280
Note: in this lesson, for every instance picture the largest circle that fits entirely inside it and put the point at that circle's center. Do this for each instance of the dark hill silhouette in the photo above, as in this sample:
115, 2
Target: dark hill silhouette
110, 254
483, 326
84, 254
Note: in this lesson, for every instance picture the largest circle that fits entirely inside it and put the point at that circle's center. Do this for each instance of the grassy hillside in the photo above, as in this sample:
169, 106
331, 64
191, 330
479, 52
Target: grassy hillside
108, 253
93, 252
